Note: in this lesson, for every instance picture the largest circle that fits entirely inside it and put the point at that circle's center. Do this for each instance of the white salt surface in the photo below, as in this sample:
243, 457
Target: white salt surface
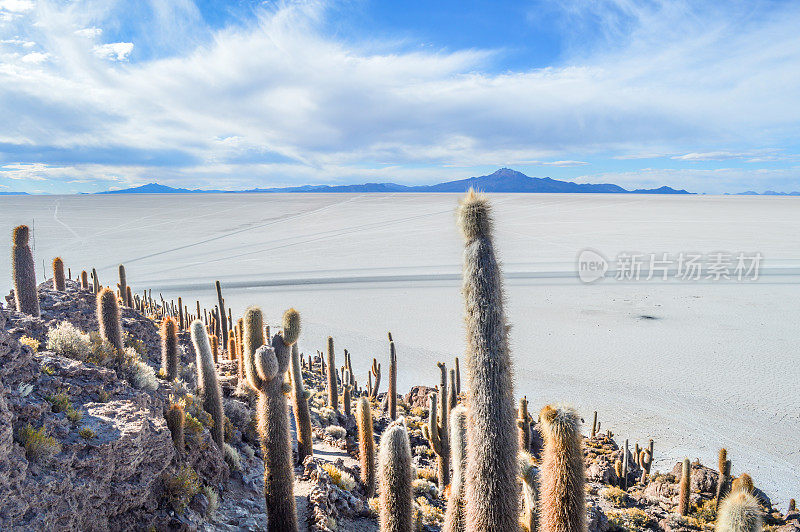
717, 367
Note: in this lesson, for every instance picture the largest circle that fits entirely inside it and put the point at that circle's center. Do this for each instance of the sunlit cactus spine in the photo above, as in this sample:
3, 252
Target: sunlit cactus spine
223, 326
454, 519
395, 474
739, 512
529, 475
683, 497
563, 508
333, 388
169, 348
436, 431
523, 425
59, 281
26, 297
176, 416
491, 493
108, 318
392, 393
266, 368
207, 380
366, 444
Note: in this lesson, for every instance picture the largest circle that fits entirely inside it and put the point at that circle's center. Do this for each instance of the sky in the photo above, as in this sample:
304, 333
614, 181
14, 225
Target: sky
236, 94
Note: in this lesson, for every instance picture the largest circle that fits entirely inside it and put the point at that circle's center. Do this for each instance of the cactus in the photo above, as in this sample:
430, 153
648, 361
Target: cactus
618, 471
743, 483
645, 460
649, 464
492, 447
169, 348
436, 431
266, 368
625, 466
529, 475
395, 473
454, 519
59, 283
333, 390
366, 444
792, 506
349, 365
96, 287
458, 378
252, 335
562, 486
207, 381
452, 395
175, 418
739, 512
214, 347
84, 280
240, 346
594, 424
223, 326
392, 393
376, 371
26, 297
346, 392
724, 466
231, 346
123, 285
108, 318
683, 497
523, 425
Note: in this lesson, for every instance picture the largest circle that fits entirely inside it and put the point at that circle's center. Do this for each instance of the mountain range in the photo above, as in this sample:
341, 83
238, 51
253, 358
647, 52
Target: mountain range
503, 180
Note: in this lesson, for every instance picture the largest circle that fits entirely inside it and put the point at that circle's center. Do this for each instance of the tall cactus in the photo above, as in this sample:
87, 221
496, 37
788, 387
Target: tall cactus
207, 381
169, 348
108, 318
529, 475
739, 512
84, 280
452, 394
123, 285
266, 368
683, 497
252, 335
347, 390
333, 389
376, 371
491, 493
436, 431
395, 473
59, 282
96, 286
392, 393
454, 519
563, 478
366, 444
523, 425
24, 272
223, 325
240, 347
458, 378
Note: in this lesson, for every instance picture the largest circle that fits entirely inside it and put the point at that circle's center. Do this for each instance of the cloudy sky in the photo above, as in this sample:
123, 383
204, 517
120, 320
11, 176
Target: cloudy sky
98, 94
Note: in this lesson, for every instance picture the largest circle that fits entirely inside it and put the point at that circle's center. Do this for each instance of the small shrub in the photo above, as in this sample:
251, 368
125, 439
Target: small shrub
336, 432
430, 514
143, 377
87, 433
192, 425
248, 451
427, 473
74, 415
629, 519
48, 370
68, 341
341, 478
38, 445
103, 396
213, 500
32, 343
232, 457
374, 506
135, 344
420, 486
59, 402
328, 416
614, 495
706, 511
181, 488
101, 351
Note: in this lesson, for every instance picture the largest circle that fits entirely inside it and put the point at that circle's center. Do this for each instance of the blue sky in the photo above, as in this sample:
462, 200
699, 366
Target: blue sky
99, 94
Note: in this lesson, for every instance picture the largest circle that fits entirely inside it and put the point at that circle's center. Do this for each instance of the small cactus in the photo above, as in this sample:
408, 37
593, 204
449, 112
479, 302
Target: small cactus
683, 497
96, 286
523, 425
739, 512
84, 280
366, 444
346, 392
392, 393
26, 297
529, 475
452, 395
594, 424
266, 368
59, 282
458, 378
563, 477
436, 431
743, 483
223, 327
169, 348
333, 389
207, 381
108, 318
376, 371
252, 335
395, 473
724, 478
454, 519
123, 285
175, 419
645, 460
792, 506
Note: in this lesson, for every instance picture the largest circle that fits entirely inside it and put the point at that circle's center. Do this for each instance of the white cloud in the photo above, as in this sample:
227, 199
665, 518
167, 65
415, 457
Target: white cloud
115, 51
16, 6
89, 33
35, 58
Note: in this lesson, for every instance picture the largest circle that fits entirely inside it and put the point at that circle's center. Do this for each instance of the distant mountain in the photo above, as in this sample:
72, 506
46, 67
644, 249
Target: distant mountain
767, 193
13, 193
503, 180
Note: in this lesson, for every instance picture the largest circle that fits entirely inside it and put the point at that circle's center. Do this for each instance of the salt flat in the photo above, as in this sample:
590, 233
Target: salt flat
693, 365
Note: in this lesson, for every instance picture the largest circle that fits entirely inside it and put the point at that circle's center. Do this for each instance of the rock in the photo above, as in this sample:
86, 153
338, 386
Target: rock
418, 397
703, 479
199, 504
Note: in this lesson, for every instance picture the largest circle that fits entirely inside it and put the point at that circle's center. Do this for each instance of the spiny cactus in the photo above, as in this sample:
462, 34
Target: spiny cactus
792, 506
333, 389
529, 475
458, 378
96, 286
452, 395
240, 347
376, 371
618, 471
252, 334
123, 285
266, 368
523, 425
625, 466
346, 392
223, 326
739, 512
743, 483
454, 519
645, 460
492, 447
683, 497
84, 280
108, 318
169, 348
436, 431
231, 346
207, 381
214, 347
594, 424
128, 296
24, 273
563, 478
59, 282
366, 444
395, 473
724, 467
175, 420
392, 393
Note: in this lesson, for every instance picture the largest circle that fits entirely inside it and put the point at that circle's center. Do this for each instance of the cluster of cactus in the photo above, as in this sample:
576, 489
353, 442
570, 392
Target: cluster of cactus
436, 431
26, 296
266, 368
